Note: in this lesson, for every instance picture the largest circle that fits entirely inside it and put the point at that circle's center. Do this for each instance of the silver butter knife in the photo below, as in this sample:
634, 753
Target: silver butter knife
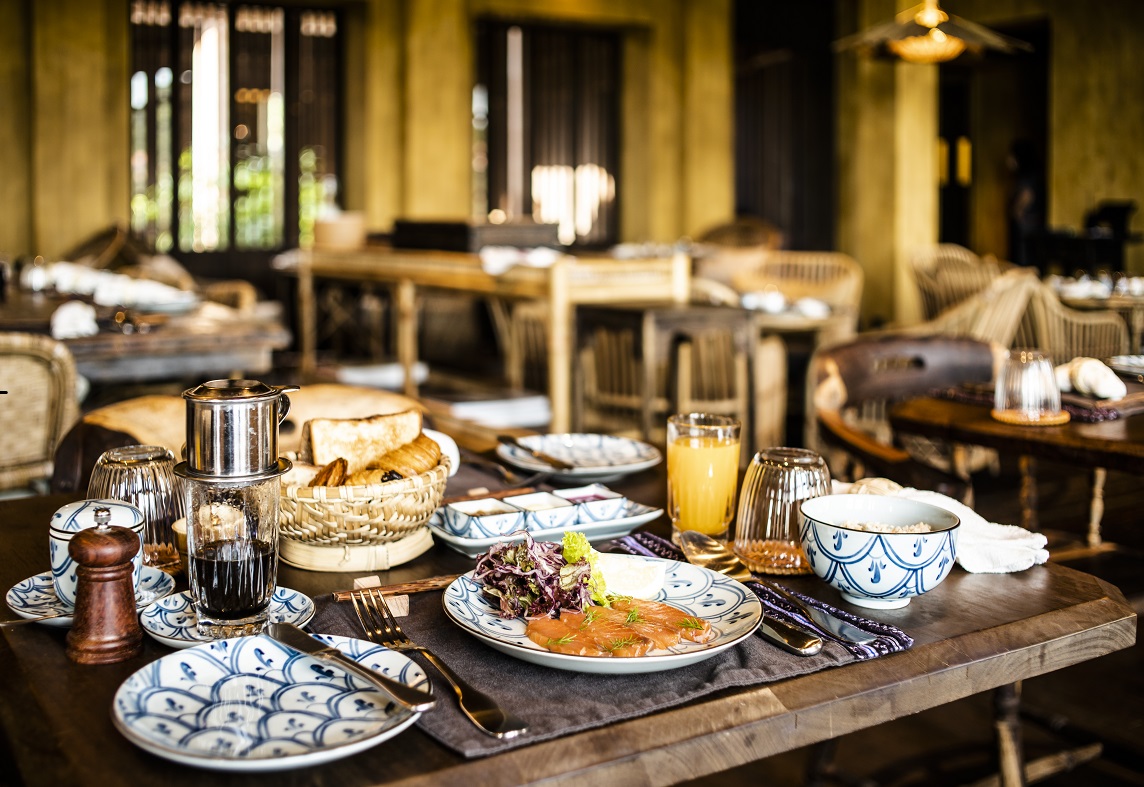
294, 638
705, 551
793, 639
548, 459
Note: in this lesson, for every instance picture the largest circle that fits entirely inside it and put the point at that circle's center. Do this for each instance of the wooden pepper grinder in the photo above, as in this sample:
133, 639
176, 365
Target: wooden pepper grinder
105, 628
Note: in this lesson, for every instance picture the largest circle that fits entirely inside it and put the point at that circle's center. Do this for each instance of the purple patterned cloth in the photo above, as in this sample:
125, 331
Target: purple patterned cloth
1084, 409
889, 639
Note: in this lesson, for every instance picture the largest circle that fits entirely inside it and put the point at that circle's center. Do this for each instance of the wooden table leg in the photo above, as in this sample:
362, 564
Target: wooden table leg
1028, 465
1096, 506
406, 297
307, 321
559, 349
651, 362
1007, 729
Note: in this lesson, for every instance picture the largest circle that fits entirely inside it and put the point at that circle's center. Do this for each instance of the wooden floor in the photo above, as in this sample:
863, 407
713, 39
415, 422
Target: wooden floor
1101, 701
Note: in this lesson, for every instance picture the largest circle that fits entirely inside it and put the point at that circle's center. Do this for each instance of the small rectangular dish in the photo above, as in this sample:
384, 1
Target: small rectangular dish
544, 510
482, 518
594, 503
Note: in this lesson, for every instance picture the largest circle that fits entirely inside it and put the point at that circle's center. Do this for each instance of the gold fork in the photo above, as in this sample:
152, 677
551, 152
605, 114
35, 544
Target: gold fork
382, 627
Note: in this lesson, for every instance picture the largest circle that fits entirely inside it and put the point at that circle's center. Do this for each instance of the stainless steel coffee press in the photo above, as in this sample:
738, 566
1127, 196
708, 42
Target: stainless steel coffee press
232, 473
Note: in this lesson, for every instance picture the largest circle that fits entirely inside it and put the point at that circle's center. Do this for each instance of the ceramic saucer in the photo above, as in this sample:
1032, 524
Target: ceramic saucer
173, 622
36, 597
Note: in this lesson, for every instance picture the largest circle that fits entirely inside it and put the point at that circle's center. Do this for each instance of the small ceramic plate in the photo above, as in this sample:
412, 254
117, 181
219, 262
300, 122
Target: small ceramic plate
632, 517
731, 608
252, 704
36, 597
597, 457
173, 621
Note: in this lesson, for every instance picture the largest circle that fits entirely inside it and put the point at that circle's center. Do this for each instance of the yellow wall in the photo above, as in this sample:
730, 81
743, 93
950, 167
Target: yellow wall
1096, 91
676, 104
409, 76
64, 98
887, 184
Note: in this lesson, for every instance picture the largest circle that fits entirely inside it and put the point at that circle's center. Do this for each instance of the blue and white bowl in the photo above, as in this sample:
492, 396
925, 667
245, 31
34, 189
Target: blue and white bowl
882, 570
80, 515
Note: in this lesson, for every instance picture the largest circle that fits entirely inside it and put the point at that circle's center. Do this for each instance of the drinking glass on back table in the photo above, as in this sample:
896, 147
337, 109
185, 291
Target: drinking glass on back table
702, 472
1027, 390
144, 476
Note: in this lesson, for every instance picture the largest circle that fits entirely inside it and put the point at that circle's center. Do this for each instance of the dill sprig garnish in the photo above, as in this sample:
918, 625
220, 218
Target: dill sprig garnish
622, 642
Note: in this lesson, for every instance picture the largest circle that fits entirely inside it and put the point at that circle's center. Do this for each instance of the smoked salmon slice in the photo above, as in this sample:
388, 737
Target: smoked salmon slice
689, 627
560, 636
629, 628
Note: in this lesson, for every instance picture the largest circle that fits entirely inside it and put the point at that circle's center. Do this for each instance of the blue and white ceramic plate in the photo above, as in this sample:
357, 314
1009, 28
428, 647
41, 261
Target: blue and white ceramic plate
36, 597
597, 457
252, 704
633, 516
173, 621
732, 609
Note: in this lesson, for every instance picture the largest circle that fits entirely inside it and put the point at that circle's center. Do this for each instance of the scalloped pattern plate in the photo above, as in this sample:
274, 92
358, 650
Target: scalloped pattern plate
253, 704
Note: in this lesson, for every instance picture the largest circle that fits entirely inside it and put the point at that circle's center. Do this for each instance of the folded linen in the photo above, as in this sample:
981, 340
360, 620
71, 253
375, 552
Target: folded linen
73, 319
1091, 377
983, 547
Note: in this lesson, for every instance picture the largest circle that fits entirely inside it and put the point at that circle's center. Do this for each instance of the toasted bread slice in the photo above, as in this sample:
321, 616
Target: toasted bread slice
361, 441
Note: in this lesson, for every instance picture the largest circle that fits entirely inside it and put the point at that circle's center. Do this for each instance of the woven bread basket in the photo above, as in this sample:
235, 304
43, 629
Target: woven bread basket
361, 515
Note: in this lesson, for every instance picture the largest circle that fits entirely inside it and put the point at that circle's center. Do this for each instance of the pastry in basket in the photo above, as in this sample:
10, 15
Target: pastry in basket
414, 458
363, 451
360, 441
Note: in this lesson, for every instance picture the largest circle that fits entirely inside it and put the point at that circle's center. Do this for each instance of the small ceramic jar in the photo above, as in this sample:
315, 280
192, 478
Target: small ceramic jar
80, 515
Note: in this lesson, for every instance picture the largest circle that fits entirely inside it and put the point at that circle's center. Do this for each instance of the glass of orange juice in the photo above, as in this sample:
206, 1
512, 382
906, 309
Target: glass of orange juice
702, 472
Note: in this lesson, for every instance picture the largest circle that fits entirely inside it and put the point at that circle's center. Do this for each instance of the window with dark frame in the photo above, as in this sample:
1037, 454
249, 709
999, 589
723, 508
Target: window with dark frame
546, 129
234, 128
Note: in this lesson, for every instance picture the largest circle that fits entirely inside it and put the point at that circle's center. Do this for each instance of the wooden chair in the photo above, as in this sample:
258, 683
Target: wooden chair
947, 274
238, 294
706, 372
1063, 333
40, 403
829, 276
851, 385
995, 314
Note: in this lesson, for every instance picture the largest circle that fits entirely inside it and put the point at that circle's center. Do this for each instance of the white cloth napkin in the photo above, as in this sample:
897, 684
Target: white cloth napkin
1090, 377
73, 319
495, 260
983, 547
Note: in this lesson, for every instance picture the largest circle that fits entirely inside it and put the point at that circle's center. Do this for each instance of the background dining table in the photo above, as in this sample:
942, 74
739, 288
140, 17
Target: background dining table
1115, 443
206, 341
56, 715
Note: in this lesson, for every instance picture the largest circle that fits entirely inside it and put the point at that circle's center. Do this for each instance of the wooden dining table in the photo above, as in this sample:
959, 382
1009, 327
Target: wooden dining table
1114, 444
973, 633
561, 286
204, 342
